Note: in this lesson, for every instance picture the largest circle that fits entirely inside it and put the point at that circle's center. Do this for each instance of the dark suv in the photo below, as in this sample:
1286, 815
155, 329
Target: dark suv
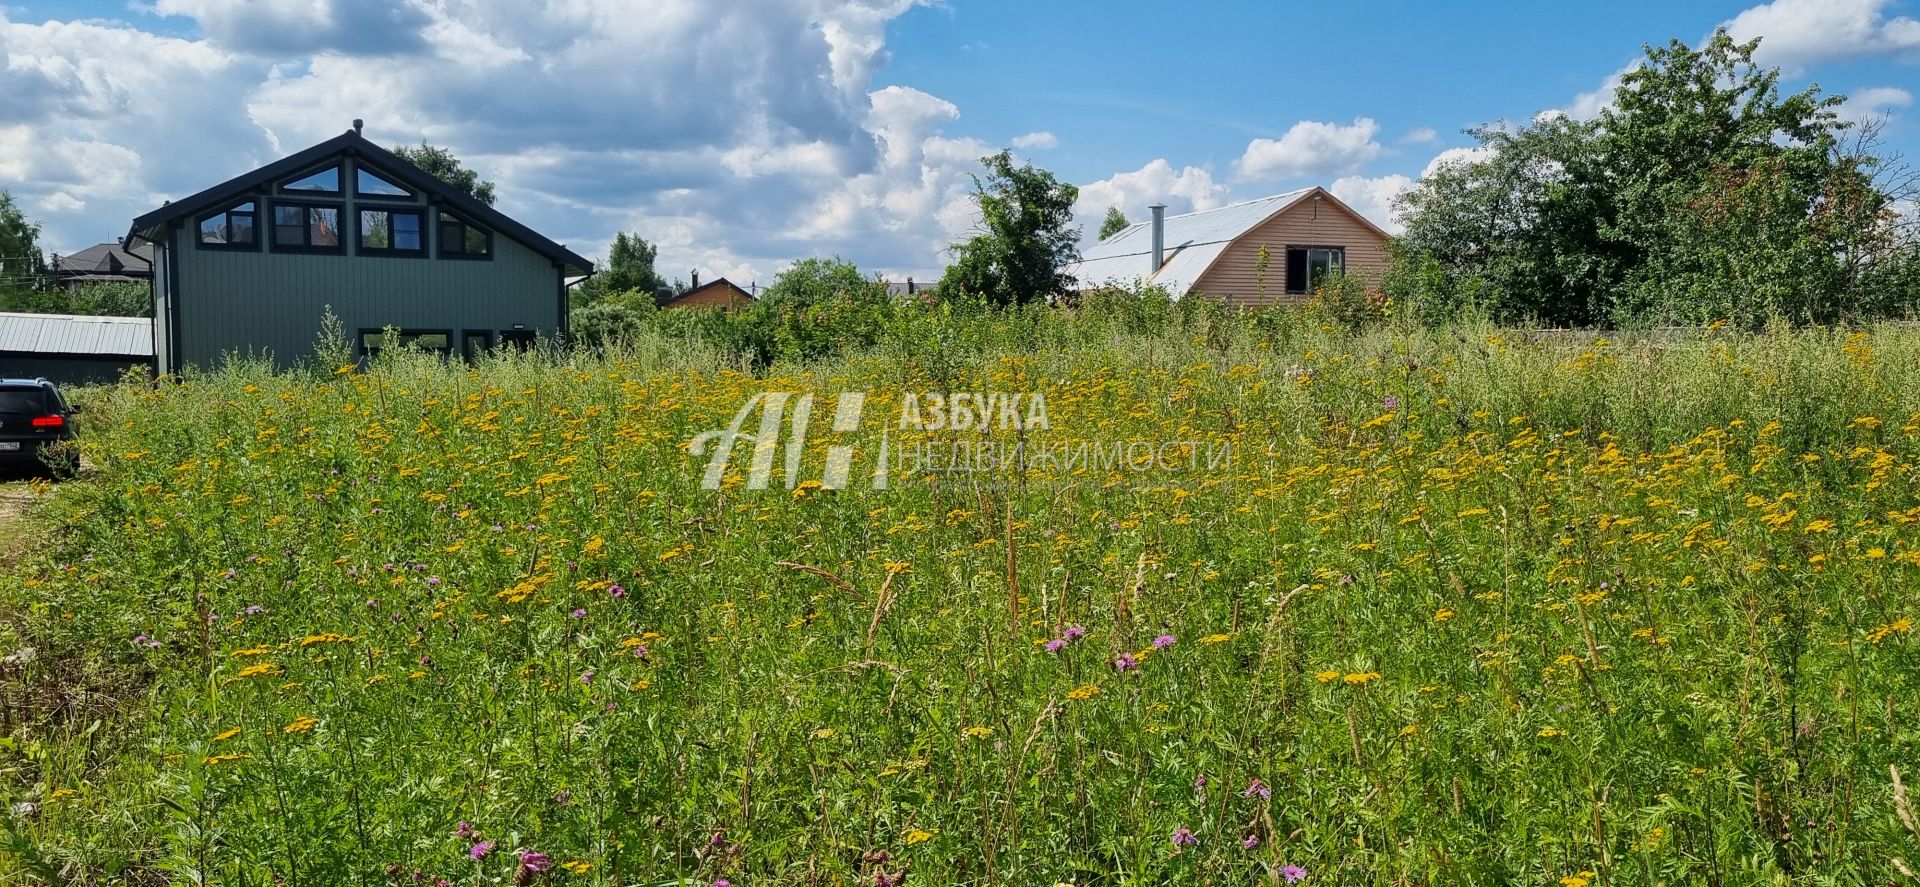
36, 425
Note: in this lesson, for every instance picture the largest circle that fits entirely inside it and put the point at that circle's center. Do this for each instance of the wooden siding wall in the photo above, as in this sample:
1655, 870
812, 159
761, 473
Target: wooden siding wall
268, 303
1235, 278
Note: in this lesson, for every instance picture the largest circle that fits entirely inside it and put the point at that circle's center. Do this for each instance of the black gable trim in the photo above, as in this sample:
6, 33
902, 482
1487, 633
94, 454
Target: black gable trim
353, 144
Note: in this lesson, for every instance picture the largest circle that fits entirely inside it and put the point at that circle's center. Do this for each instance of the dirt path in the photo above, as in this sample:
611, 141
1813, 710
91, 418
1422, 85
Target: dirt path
14, 499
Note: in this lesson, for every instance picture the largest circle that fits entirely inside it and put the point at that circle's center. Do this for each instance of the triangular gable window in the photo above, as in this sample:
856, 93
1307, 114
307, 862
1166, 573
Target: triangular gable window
368, 183
320, 181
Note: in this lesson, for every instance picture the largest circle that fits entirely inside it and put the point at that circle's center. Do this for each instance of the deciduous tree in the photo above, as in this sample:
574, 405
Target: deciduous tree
447, 168
1026, 238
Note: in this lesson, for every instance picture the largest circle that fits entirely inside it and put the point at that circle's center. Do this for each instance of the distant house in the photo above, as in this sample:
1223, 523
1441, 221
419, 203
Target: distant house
72, 349
104, 263
910, 290
718, 293
1308, 234
252, 264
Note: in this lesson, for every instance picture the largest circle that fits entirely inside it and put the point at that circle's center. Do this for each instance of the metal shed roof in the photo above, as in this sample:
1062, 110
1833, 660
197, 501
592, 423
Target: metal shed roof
76, 335
1193, 241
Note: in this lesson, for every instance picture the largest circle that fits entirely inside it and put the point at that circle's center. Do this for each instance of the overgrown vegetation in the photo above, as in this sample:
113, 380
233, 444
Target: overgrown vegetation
1700, 194
1466, 605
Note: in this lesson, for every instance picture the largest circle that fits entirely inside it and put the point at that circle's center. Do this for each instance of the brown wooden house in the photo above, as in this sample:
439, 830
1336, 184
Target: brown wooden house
718, 293
1308, 234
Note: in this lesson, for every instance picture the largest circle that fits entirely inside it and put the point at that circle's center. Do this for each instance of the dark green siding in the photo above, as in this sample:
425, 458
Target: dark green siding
236, 302
67, 370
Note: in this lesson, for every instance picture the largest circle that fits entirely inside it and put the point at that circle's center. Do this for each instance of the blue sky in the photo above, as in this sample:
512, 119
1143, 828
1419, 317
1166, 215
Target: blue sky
745, 134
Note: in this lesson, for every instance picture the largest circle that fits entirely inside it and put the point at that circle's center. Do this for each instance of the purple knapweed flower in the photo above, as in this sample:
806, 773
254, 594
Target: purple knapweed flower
1125, 662
579, 613
1056, 645
1293, 873
1200, 782
433, 580
1184, 838
253, 610
1256, 787
616, 591
586, 677
141, 640
1074, 632
640, 651
1249, 842
463, 830
535, 862
1162, 642
722, 882
1391, 402
480, 850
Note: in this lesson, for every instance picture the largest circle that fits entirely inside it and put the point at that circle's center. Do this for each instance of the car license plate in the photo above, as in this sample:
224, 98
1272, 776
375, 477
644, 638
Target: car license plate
9, 445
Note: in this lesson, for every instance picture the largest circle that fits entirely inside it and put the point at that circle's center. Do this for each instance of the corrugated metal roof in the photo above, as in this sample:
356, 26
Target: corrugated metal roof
73, 334
1193, 241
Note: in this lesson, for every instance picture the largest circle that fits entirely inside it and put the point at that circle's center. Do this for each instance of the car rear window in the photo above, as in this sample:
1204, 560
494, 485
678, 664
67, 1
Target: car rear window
23, 400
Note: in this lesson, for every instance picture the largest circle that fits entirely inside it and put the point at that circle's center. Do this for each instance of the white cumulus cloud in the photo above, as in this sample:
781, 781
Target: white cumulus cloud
1311, 148
1036, 141
1875, 102
1182, 190
1796, 33
1373, 197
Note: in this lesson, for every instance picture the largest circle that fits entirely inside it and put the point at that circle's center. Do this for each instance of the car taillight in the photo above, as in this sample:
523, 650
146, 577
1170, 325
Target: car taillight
49, 421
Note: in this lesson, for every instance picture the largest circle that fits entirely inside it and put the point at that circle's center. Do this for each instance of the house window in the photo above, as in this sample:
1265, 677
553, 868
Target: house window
320, 181
474, 344
299, 226
393, 231
367, 183
518, 340
372, 340
461, 239
231, 227
1310, 266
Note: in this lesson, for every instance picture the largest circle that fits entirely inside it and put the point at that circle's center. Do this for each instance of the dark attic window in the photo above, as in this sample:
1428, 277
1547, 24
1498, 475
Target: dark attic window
232, 227
320, 181
392, 231
306, 228
1310, 266
367, 183
461, 239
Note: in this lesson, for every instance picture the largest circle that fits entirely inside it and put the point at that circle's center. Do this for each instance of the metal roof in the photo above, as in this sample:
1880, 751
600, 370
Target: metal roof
1193, 241
76, 334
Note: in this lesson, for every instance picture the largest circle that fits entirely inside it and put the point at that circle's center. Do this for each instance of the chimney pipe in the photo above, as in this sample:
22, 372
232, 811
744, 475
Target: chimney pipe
910, 290
357, 123
1159, 236
696, 279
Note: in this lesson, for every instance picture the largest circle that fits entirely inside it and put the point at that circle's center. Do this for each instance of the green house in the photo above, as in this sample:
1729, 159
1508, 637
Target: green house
251, 266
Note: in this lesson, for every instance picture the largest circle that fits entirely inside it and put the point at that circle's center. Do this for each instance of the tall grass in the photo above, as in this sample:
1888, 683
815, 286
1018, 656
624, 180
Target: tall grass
1467, 605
